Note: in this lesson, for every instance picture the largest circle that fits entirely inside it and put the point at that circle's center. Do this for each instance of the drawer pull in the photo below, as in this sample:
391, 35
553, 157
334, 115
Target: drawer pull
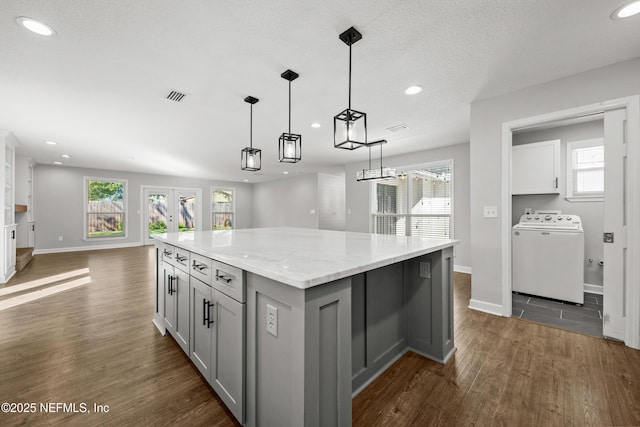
199, 267
223, 278
181, 258
167, 253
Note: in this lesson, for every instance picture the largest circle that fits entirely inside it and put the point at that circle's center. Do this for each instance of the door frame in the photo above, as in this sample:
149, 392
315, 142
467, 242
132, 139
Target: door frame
174, 192
632, 291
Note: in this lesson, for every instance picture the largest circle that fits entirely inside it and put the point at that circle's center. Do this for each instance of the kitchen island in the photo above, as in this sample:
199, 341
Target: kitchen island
288, 324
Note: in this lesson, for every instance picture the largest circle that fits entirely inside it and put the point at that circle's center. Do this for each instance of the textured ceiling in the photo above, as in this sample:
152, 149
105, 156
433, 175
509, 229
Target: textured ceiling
98, 87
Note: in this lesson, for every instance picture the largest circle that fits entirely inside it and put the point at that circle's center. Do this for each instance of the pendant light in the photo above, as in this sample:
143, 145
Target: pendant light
290, 144
250, 158
376, 173
350, 126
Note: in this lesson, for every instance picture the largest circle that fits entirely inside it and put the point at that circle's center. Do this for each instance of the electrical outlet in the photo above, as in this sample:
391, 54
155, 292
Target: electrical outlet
491, 212
272, 320
59, 238
425, 269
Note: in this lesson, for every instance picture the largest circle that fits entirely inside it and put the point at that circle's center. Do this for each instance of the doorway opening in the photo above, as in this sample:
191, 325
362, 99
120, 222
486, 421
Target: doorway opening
621, 276
170, 210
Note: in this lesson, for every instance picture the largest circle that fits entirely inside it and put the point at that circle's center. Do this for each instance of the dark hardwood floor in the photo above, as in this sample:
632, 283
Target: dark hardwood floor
95, 344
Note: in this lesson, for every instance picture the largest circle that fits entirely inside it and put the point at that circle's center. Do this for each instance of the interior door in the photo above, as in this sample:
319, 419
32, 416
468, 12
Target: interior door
615, 241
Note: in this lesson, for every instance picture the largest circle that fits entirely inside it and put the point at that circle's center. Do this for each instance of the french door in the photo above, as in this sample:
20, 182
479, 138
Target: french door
171, 210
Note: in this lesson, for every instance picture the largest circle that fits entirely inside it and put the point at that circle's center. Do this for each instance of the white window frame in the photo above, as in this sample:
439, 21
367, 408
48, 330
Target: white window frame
573, 145
407, 169
233, 204
85, 232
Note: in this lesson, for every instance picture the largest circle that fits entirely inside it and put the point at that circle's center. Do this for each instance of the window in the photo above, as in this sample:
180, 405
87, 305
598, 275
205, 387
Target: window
416, 203
105, 208
222, 209
585, 170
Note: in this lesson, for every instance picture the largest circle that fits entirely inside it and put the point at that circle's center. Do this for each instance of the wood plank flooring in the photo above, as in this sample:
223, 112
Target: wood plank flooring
95, 343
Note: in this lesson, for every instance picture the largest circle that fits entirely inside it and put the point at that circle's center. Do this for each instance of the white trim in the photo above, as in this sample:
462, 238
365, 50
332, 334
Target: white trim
487, 307
584, 199
593, 289
632, 297
86, 248
461, 269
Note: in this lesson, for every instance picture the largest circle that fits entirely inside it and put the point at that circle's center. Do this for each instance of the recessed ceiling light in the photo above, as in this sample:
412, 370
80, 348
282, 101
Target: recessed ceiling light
315, 125
57, 163
66, 156
50, 143
285, 172
35, 26
246, 180
412, 90
626, 10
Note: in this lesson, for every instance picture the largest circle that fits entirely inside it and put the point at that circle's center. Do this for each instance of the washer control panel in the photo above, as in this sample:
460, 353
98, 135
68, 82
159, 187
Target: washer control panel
550, 221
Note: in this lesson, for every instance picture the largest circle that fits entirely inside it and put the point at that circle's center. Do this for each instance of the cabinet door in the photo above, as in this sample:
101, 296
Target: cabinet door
227, 376
181, 293
535, 168
9, 251
169, 303
202, 330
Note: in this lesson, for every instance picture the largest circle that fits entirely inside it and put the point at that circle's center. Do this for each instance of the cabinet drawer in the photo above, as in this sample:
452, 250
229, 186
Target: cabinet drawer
182, 259
167, 253
201, 268
229, 280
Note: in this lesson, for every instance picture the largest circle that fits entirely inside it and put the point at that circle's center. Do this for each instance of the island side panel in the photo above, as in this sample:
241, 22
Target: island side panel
302, 376
379, 319
430, 305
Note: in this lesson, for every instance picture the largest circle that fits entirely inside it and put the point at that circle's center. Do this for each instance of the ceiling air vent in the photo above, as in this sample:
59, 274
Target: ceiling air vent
176, 96
397, 128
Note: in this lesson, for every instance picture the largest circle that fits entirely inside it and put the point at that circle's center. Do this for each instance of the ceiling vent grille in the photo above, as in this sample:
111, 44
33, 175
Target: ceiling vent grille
176, 96
398, 128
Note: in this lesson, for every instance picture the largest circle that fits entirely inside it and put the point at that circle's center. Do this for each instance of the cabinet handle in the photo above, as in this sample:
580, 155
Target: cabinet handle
166, 253
33, 227
206, 313
13, 234
198, 267
223, 278
556, 182
171, 290
180, 258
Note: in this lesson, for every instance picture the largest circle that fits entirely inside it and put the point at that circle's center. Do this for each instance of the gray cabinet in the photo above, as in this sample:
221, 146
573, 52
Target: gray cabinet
176, 304
227, 374
201, 339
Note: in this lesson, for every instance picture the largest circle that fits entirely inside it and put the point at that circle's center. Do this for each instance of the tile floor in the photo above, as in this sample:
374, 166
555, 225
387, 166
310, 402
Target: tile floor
586, 319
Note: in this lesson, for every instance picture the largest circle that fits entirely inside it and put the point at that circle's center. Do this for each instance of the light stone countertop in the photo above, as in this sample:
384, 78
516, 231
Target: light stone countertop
302, 257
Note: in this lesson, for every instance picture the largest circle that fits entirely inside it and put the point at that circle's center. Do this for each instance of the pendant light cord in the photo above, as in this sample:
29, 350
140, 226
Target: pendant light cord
350, 76
251, 126
289, 106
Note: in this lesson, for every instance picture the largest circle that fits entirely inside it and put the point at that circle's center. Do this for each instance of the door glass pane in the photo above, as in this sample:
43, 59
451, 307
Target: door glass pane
186, 212
157, 204
222, 209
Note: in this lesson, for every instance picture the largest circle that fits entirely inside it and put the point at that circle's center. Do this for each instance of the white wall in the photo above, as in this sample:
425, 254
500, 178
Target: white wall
331, 201
487, 116
358, 194
59, 198
286, 202
591, 213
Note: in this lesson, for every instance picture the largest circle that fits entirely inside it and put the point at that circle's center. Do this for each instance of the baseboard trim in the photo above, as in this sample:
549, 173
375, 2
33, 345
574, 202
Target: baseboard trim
86, 248
485, 307
461, 269
377, 374
594, 289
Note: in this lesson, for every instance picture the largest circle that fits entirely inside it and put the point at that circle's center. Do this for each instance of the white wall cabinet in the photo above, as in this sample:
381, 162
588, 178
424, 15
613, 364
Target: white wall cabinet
535, 168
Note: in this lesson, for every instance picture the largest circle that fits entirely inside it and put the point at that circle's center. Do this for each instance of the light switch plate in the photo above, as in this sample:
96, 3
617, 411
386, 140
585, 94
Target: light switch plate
491, 212
272, 320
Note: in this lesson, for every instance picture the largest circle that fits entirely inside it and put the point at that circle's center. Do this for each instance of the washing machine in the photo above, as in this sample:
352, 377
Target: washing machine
548, 256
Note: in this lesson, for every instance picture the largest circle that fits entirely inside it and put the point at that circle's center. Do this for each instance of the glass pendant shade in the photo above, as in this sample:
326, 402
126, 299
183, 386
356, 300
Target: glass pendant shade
350, 129
290, 148
251, 159
381, 172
